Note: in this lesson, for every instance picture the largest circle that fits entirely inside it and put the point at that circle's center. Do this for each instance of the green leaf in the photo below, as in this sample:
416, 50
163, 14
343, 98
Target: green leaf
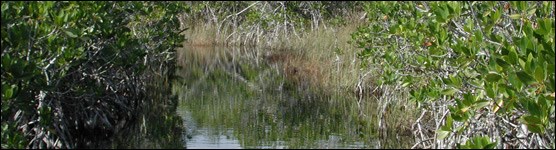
533, 108
469, 25
522, 63
525, 78
456, 81
59, 19
5, 6
490, 146
460, 129
469, 99
532, 11
540, 74
472, 74
489, 89
481, 103
441, 14
548, 25
515, 16
441, 134
460, 117
447, 82
493, 77
408, 81
535, 128
530, 64
512, 56
7, 91
522, 5
477, 142
497, 15
449, 91
502, 63
544, 104
70, 33
449, 122
460, 146
478, 35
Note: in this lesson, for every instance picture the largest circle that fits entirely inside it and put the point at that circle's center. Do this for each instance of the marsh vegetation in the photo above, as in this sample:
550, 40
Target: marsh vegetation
278, 74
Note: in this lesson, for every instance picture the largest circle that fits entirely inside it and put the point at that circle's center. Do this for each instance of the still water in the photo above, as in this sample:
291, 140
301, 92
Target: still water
233, 101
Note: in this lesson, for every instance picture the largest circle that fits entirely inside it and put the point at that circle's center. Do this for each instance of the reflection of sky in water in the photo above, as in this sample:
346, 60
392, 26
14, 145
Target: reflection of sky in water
206, 138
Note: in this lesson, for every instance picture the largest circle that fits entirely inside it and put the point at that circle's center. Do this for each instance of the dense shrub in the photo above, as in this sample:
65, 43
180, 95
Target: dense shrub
75, 72
484, 69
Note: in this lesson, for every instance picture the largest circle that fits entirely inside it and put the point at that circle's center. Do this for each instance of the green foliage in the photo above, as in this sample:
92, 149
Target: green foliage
482, 57
58, 58
478, 143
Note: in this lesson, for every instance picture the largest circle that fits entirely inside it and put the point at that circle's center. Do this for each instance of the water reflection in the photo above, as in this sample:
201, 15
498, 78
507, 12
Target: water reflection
228, 102
209, 139
157, 126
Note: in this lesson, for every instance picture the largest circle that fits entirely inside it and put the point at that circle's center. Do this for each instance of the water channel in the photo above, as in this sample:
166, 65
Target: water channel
232, 101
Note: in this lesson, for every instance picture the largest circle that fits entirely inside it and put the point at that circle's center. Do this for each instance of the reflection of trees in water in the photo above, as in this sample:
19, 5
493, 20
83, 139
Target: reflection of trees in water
296, 120
158, 126
263, 115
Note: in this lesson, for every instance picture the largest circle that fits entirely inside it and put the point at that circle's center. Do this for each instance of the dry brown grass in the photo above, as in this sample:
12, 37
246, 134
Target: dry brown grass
201, 35
299, 70
320, 59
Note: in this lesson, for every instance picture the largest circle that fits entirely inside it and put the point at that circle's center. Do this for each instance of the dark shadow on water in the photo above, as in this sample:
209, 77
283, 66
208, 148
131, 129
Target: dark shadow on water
157, 126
